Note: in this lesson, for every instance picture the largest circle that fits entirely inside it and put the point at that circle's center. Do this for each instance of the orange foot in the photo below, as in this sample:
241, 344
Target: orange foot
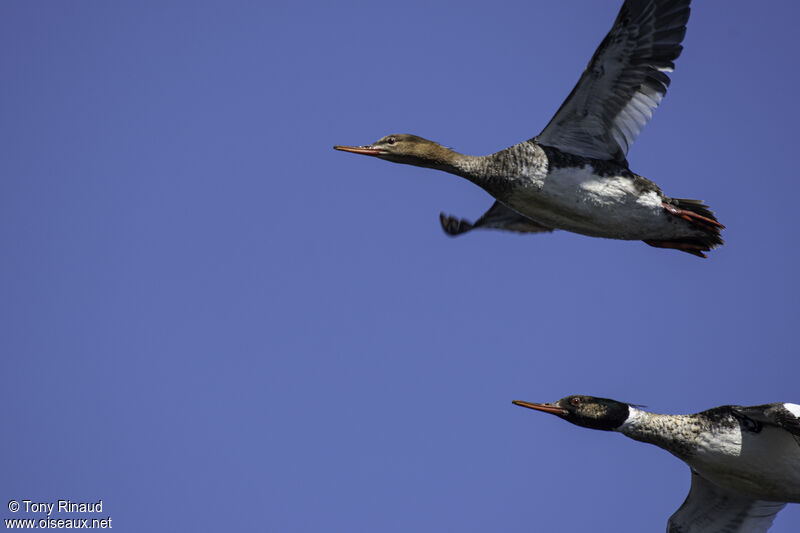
688, 247
691, 216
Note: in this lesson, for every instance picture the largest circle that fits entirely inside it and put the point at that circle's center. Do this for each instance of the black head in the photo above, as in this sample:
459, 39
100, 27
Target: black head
403, 148
586, 411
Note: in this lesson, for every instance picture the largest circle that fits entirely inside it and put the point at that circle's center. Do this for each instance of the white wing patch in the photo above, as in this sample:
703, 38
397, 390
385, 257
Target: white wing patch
793, 408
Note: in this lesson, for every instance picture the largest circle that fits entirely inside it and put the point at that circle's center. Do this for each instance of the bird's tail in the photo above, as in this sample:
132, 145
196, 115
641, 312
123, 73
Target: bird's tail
699, 215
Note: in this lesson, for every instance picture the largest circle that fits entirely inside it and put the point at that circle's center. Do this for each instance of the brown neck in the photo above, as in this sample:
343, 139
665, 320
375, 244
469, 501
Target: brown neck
436, 156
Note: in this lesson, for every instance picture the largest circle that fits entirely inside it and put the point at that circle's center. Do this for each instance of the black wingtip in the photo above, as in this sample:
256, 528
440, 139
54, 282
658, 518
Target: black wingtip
454, 226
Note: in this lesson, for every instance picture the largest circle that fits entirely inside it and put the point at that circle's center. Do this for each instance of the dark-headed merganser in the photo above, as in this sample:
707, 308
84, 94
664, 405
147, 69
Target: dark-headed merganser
574, 175
745, 461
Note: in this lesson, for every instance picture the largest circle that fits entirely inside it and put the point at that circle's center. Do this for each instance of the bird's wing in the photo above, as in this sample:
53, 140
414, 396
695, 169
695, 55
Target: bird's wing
783, 415
623, 83
711, 509
497, 217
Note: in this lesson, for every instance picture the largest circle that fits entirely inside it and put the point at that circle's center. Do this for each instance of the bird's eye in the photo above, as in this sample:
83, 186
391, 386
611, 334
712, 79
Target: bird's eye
391, 140
575, 401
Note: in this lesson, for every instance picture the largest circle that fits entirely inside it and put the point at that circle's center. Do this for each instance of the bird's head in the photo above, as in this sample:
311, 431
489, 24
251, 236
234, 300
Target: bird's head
404, 148
586, 411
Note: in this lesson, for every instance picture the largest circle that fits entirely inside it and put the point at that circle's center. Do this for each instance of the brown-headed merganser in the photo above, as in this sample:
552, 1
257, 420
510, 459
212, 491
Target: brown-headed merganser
745, 461
574, 175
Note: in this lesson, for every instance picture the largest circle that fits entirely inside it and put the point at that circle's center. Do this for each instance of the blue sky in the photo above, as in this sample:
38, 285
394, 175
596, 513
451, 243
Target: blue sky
213, 321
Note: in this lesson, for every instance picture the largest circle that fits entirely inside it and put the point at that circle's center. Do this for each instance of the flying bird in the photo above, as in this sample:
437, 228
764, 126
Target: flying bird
745, 461
574, 175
